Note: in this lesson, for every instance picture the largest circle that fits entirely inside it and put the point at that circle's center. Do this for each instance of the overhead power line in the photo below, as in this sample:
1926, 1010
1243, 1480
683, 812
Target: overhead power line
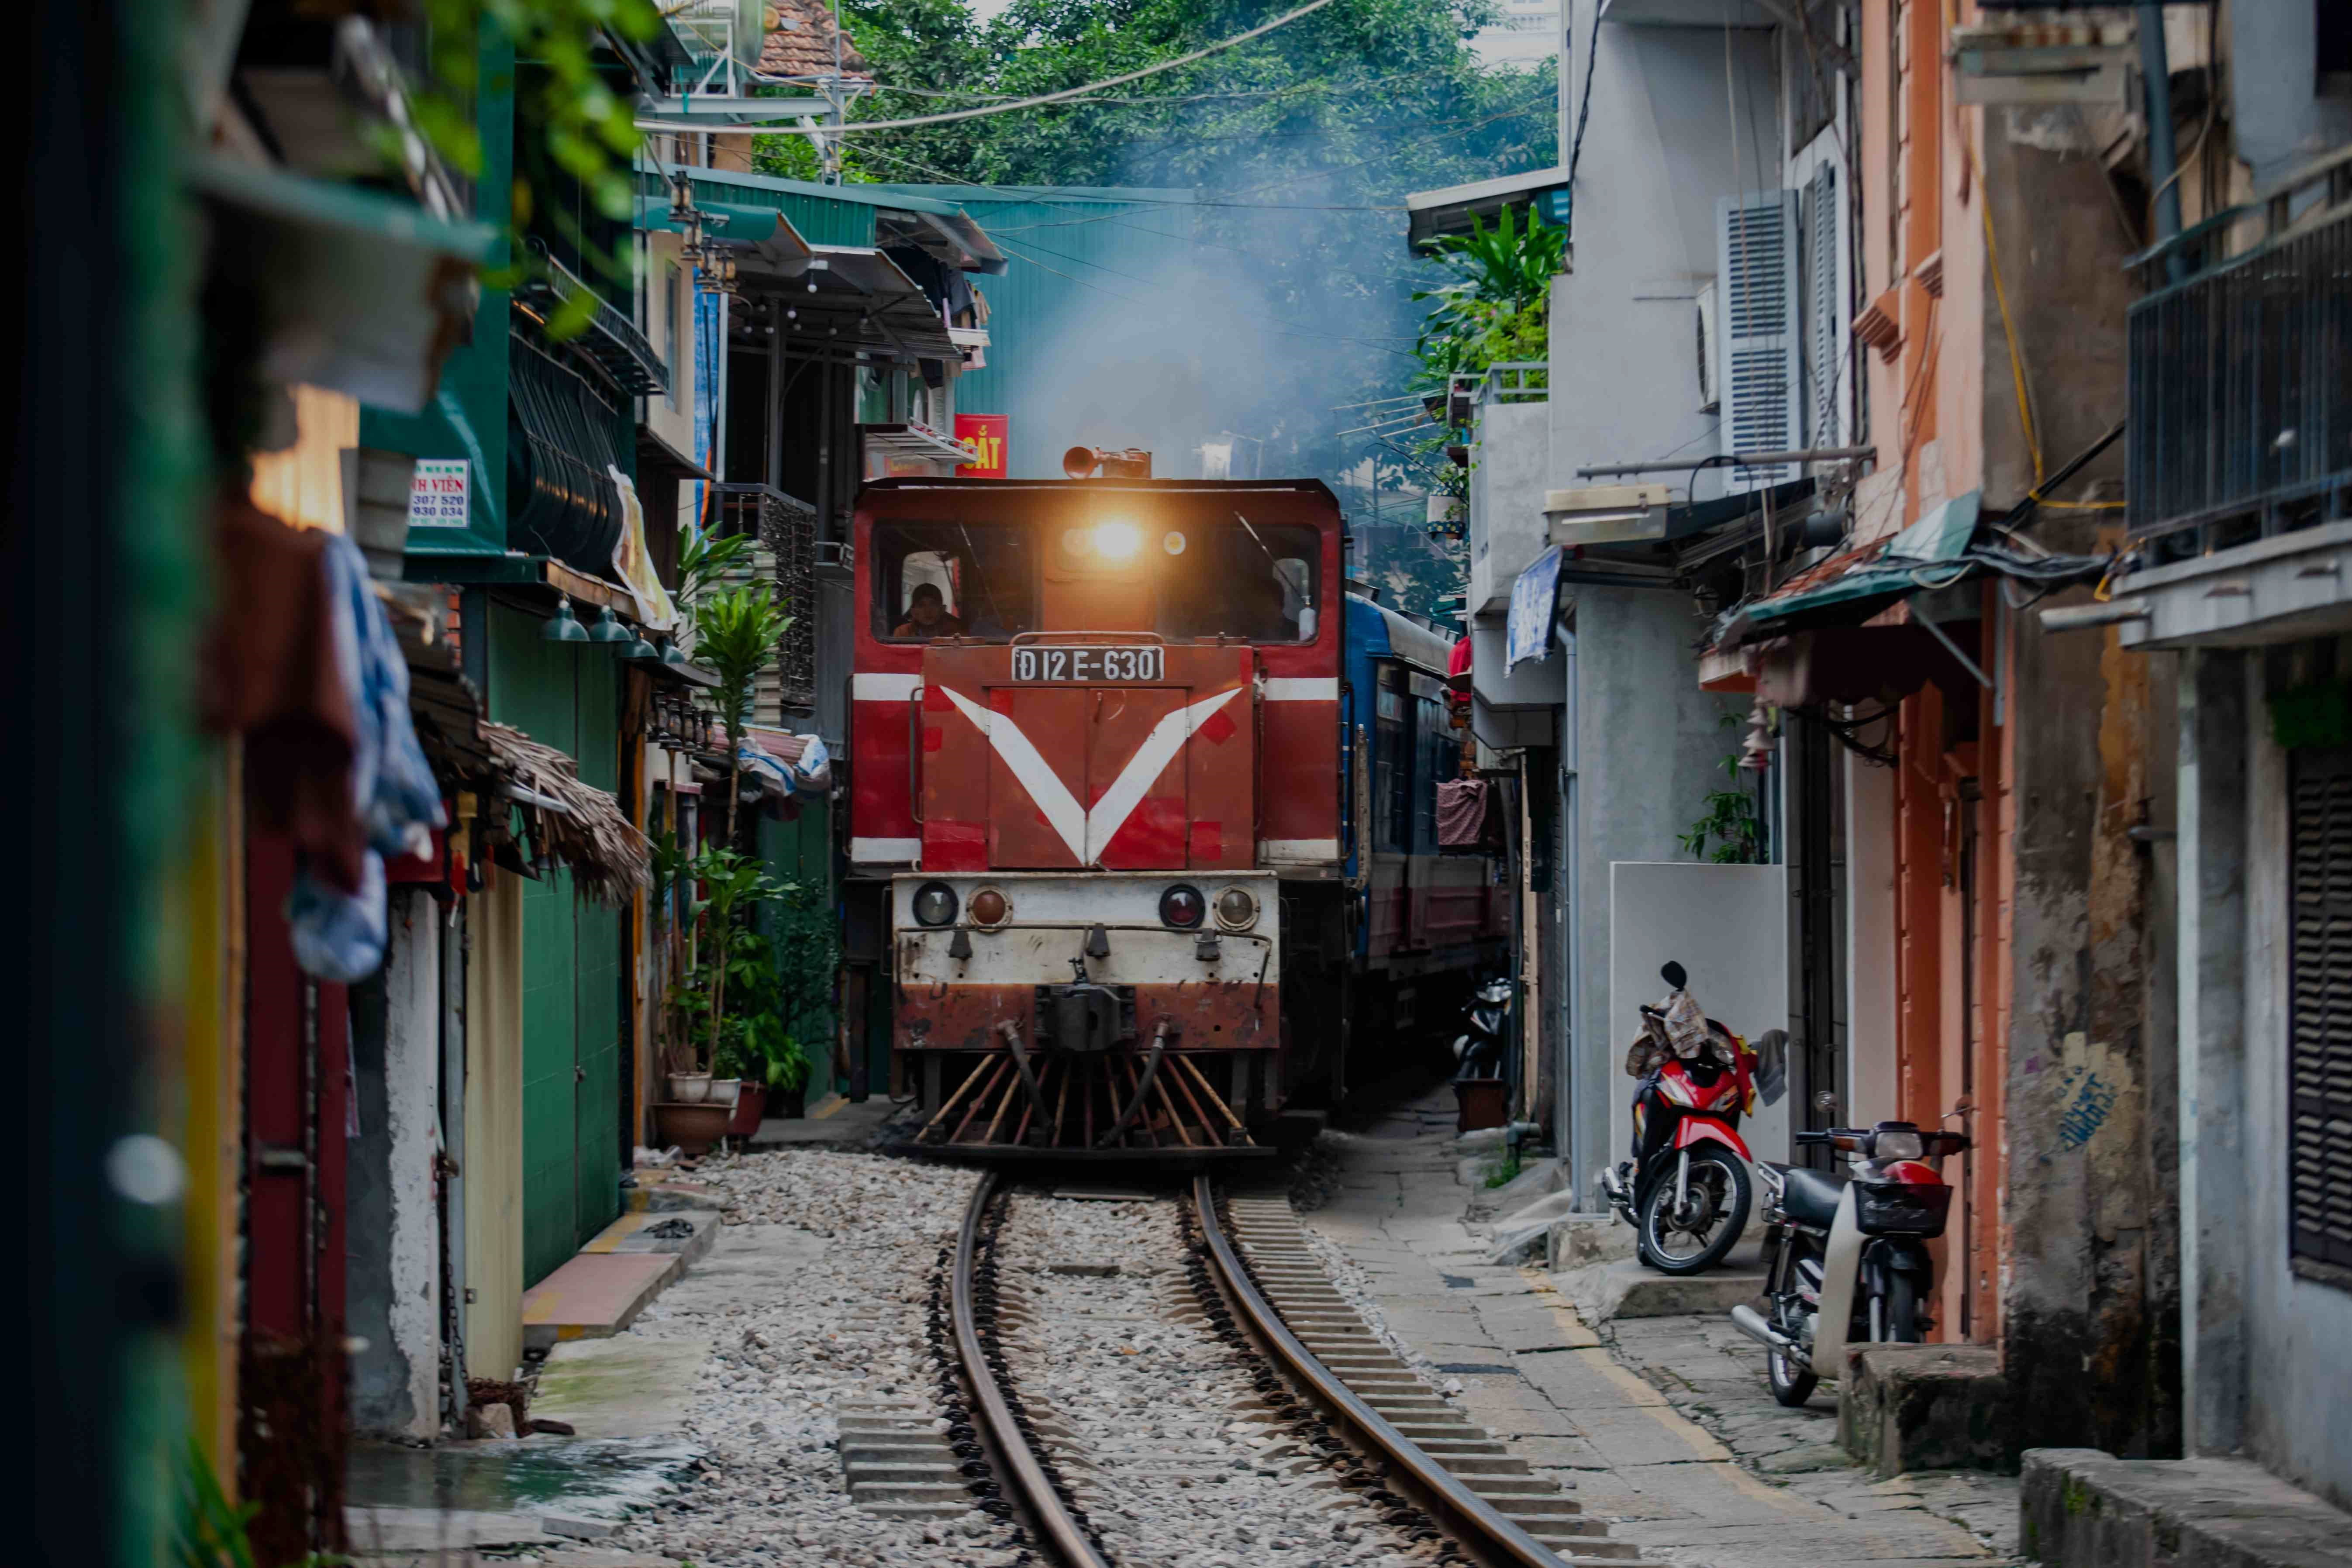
1069, 93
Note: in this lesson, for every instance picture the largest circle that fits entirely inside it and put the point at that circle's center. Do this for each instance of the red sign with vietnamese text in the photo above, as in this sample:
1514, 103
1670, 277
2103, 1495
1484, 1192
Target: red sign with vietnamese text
983, 435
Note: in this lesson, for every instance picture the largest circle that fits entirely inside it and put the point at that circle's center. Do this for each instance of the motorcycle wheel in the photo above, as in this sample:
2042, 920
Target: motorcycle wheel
1710, 1165
1791, 1384
1903, 1310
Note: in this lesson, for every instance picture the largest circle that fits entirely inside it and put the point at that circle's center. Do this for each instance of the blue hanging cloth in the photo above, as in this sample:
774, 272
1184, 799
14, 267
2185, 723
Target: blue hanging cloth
338, 936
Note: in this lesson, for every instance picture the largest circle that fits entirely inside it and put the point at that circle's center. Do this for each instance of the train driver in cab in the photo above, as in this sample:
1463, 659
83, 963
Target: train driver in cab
926, 615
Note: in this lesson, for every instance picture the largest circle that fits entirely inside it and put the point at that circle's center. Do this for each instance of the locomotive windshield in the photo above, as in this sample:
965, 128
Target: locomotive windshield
954, 579
1184, 580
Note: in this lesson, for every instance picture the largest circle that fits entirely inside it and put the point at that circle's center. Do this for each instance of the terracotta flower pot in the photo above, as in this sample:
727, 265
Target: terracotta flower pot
750, 1104
1480, 1102
689, 1087
693, 1128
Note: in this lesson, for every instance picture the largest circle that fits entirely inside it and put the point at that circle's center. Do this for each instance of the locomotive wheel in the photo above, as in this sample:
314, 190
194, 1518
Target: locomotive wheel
1699, 1237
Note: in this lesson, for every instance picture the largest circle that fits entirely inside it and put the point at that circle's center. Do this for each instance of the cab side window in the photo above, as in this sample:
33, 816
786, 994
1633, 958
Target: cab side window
951, 580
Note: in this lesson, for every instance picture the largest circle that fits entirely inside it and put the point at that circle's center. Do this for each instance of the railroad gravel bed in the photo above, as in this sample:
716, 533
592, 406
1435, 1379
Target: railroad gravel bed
850, 1324
1176, 1467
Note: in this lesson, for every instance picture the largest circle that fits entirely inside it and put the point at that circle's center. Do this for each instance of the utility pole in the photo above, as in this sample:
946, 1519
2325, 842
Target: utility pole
1567, 76
833, 143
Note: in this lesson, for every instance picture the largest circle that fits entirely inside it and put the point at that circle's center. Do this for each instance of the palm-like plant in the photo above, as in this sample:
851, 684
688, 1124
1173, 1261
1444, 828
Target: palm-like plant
735, 633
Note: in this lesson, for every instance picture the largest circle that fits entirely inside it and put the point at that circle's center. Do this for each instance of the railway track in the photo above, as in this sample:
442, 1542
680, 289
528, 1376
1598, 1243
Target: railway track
1401, 1475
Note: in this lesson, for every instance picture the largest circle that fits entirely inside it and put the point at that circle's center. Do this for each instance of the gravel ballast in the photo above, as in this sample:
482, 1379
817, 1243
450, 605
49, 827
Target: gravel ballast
846, 1324
1160, 1431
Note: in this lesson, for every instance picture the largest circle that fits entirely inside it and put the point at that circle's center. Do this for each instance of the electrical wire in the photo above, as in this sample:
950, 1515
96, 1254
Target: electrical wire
1303, 331
1067, 94
1385, 157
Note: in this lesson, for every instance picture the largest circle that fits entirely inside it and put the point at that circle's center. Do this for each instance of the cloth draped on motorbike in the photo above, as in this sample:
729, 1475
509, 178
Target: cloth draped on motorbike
1678, 1028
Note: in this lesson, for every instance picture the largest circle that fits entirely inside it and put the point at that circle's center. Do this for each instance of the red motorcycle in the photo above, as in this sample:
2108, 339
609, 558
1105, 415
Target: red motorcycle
1686, 1190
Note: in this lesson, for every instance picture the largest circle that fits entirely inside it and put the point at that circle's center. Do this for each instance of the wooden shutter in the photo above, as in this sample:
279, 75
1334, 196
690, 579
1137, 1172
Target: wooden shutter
2319, 1068
1760, 381
1826, 310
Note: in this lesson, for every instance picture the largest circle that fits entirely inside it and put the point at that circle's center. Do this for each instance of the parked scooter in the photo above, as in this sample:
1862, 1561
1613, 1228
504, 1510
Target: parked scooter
1686, 1189
1848, 1260
1478, 1050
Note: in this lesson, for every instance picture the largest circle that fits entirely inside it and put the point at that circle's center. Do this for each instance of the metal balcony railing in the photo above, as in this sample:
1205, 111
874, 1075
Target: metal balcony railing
787, 527
1517, 381
2241, 372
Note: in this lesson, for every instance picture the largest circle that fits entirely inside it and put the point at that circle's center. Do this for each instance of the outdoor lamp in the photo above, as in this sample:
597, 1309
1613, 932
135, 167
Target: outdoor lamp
563, 627
671, 652
608, 628
639, 648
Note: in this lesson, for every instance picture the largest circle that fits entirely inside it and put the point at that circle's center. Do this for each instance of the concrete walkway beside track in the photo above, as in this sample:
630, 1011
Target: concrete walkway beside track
1663, 1424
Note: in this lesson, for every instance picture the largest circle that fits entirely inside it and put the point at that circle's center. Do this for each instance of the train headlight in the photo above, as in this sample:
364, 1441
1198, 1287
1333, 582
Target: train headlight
989, 908
935, 904
1236, 909
1182, 906
1117, 541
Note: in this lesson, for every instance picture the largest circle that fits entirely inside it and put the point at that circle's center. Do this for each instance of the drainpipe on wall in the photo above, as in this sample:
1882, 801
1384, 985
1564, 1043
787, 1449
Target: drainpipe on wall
2163, 158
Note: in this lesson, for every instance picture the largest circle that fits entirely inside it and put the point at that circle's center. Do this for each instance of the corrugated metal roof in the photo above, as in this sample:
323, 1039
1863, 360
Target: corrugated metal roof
1071, 250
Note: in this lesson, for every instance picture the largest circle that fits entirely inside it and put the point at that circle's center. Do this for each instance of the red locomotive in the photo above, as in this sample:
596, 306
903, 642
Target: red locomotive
1111, 741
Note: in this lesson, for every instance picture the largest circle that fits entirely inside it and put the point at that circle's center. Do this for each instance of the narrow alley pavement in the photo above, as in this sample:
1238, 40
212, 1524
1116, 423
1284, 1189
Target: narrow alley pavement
1664, 1424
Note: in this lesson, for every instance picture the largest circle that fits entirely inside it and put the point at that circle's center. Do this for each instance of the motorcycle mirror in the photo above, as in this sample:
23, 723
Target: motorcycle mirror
1673, 974
1772, 1066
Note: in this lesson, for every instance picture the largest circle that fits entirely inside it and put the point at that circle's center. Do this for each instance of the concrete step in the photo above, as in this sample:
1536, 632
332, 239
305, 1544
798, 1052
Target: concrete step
594, 1296
2083, 1506
1629, 1288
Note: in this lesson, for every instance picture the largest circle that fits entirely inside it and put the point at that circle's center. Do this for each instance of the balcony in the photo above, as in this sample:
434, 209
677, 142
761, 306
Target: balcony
2240, 395
785, 529
1510, 463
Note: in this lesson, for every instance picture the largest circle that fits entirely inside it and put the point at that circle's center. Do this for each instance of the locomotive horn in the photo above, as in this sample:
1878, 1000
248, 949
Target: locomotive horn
1132, 463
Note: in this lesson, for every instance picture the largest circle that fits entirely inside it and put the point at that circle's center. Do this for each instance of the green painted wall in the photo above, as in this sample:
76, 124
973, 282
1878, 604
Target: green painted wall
565, 695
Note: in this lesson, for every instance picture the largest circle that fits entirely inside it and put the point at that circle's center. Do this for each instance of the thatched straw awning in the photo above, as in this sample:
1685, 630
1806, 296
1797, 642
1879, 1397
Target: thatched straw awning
579, 824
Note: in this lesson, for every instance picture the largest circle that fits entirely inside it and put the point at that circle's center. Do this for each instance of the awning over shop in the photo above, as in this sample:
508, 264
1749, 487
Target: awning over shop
1848, 589
840, 296
1432, 216
1643, 524
1881, 620
354, 290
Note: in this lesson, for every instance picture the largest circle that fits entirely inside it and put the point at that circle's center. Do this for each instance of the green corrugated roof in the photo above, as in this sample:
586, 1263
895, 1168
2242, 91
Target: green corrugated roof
1070, 249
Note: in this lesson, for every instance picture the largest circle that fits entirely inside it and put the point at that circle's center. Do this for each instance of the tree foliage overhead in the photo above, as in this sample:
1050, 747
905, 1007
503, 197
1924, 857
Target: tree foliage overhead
1300, 147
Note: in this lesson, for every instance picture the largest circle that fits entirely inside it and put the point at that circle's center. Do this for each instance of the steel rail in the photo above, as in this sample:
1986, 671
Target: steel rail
1048, 1514
1469, 1516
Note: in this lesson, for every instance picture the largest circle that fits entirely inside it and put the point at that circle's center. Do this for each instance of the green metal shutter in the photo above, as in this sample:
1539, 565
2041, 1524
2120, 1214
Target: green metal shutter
599, 970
